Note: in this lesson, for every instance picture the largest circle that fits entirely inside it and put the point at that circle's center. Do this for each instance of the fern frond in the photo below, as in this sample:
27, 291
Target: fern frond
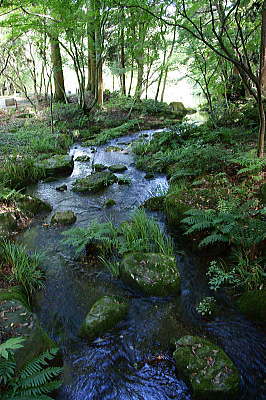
35, 365
200, 226
40, 378
214, 238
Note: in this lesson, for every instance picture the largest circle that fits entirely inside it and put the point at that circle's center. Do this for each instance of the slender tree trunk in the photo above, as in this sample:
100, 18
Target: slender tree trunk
123, 63
164, 84
56, 59
262, 129
131, 78
138, 89
100, 84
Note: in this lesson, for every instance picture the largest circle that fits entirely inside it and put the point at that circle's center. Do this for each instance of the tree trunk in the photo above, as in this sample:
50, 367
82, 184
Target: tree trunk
138, 89
56, 59
164, 84
131, 78
100, 84
123, 63
263, 51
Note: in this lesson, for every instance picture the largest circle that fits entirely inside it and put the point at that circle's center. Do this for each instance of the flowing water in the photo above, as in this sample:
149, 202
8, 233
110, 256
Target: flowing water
134, 360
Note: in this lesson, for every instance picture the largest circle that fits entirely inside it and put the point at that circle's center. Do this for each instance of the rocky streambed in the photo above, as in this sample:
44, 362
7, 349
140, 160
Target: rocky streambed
131, 358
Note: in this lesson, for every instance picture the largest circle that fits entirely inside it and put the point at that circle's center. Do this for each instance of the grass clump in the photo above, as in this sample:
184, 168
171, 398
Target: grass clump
18, 267
113, 133
141, 234
17, 172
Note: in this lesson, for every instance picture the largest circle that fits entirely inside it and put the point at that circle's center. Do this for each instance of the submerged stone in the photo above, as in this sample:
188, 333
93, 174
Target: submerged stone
64, 218
57, 165
207, 369
95, 182
83, 158
117, 168
99, 167
103, 316
154, 274
110, 203
62, 188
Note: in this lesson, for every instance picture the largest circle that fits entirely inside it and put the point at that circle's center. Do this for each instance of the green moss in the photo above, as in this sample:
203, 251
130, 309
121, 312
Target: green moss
253, 304
155, 203
95, 182
103, 316
207, 369
109, 203
64, 218
57, 165
153, 274
117, 168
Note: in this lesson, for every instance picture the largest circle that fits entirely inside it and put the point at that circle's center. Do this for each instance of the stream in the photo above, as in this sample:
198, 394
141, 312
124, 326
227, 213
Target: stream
134, 360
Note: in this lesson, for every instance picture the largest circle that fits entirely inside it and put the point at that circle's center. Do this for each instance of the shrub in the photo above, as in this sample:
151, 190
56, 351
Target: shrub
72, 114
236, 225
206, 306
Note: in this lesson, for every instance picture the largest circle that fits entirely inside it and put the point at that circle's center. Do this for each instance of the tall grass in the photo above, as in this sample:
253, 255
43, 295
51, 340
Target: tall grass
143, 234
25, 268
17, 172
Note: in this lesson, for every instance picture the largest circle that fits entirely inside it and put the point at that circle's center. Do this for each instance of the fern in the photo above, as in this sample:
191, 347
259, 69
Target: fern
35, 380
9, 346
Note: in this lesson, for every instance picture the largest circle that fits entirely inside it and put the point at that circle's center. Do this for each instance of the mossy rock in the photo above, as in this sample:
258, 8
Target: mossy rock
253, 305
8, 223
153, 274
83, 158
99, 167
95, 182
64, 218
58, 165
155, 203
61, 188
109, 203
111, 149
103, 316
117, 168
124, 180
207, 369
32, 205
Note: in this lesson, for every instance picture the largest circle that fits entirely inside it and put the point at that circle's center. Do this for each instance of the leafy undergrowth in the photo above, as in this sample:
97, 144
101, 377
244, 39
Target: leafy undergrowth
216, 195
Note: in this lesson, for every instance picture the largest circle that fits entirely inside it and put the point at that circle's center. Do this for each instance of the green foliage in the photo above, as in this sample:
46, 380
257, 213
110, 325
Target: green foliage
143, 234
250, 164
242, 272
206, 306
8, 347
35, 380
113, 133
100, 234
25, 269
72, 114
17, 172
235, 225
16, 293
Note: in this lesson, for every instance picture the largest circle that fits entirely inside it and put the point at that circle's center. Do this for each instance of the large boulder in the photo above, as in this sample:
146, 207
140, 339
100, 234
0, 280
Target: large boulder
31, 205
95, 182
177, 106
64, 218
154, 274
103, 316
253, 305
58, 165
207, 369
